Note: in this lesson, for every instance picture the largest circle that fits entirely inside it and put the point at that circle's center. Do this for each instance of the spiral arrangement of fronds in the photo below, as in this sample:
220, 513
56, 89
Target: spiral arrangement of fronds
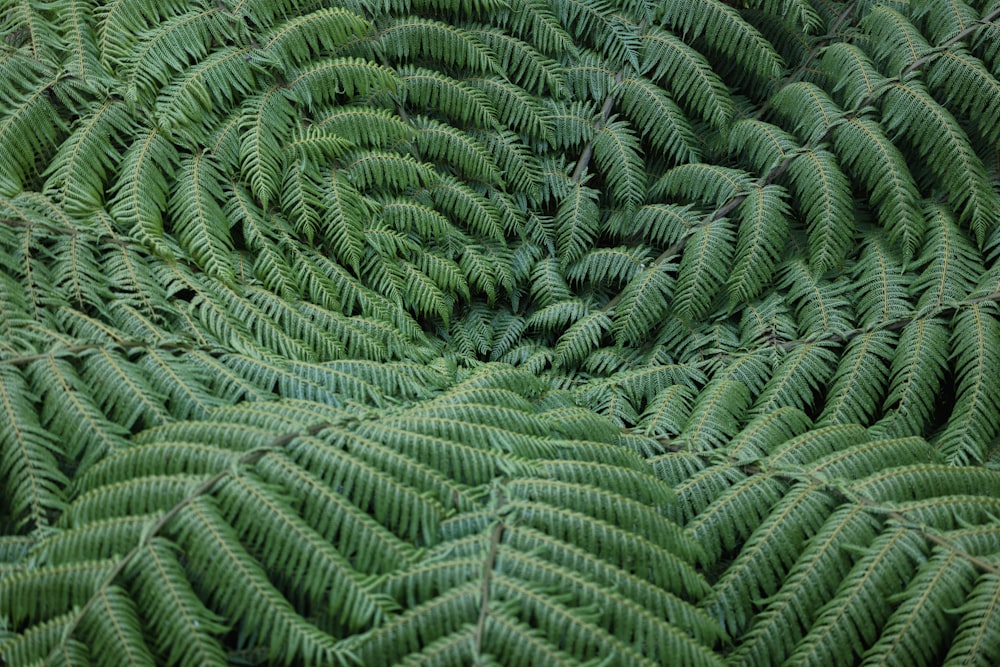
500, 332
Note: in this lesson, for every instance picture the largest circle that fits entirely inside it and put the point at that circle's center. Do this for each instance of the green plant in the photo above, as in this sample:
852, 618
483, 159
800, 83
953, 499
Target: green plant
524, 332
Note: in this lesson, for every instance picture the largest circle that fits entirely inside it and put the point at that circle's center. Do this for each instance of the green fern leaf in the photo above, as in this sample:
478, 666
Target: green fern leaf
978, 95
975, 419
946, 150
441, 94
882, 285
801, 373
725, 30
79, 169
525, 64
415, 37
707, 256
577, 223
859, 384
618, 155
863, 145
917, 368
197, 217
691, 77
221, 80
345, 211
28, 456
760, 242
895, 39
836, 635
322, 81
308, 36
168, 49
189, 634
644, 302
536, 22
461, 151
976, 635
142, 190
581, 338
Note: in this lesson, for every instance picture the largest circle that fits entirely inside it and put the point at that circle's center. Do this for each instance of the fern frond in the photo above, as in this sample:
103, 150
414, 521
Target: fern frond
441, 94
975, 419
808, 109
221, 80
367, 126
572, 124
691, 78
383, 169
895, 40
312, 35
819, 305
707, 258
787, 614
591, 77
618, 154
536, 22
918, 368
516, 162
169, 49
525, 64
75, 22
715, 416
197, 217
123, 390
216, 551
978, 95
290, 550
416, 37
78, 170
141, 192
660, 224
459, 150
69, 412
189, 632
859, 384
120, 23
883, 295
913, 631
324, 81
581, 338
863, 145
594, 21
28, 456
708, 183
29, 125
946, 150
760, 242
763, 434
976, 634
796, 379
577, 223
728, 519
838, 632
727, 32
345, 211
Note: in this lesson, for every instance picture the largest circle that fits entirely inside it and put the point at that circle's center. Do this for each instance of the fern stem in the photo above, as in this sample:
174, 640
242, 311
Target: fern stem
484, 601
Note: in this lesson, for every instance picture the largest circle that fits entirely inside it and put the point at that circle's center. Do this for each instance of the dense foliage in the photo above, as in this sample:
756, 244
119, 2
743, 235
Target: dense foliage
513, 332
